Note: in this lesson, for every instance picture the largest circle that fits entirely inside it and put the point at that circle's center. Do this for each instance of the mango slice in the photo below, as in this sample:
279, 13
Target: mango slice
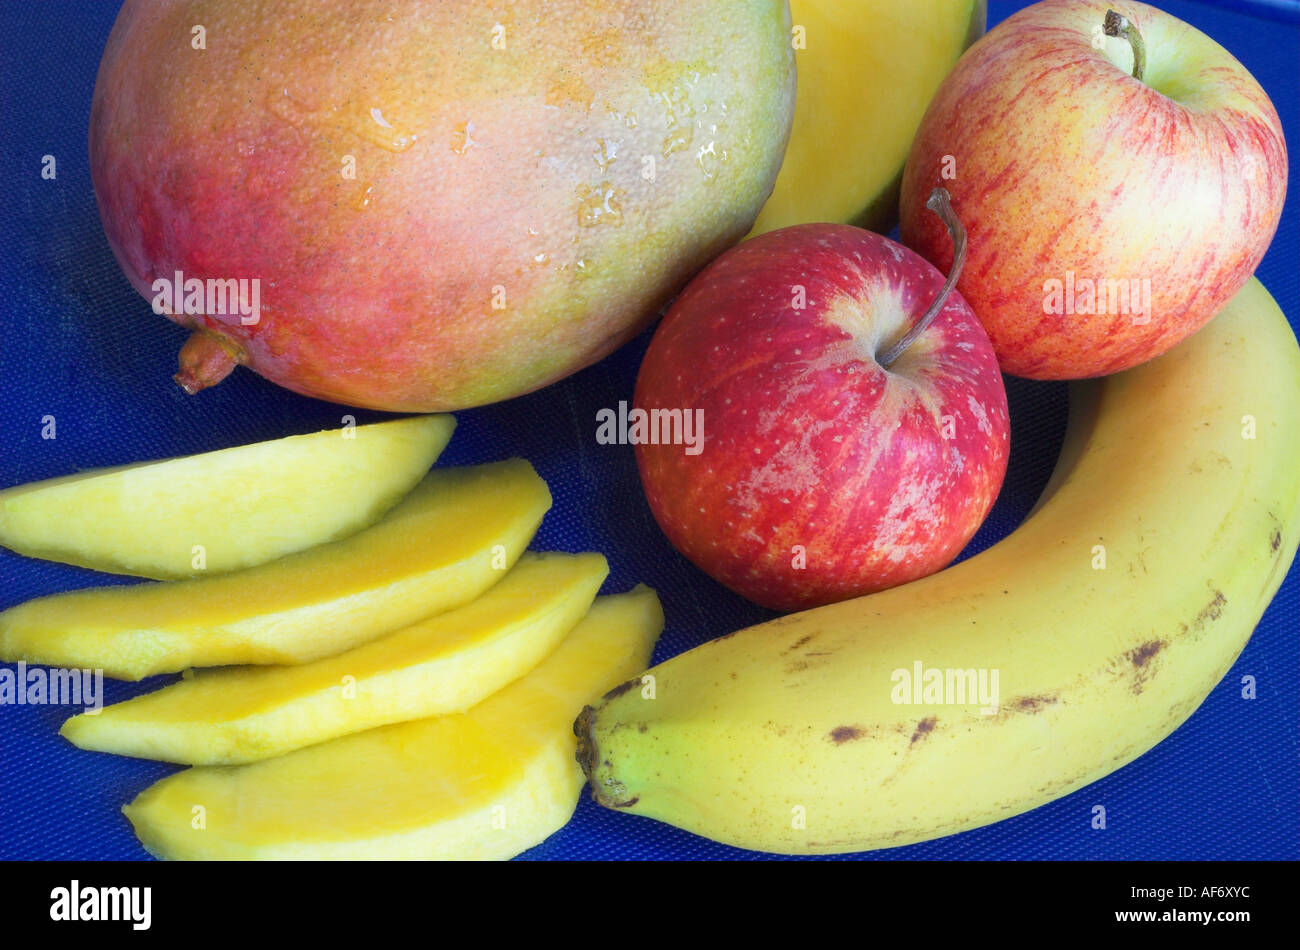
441, 665
487, 783
454, 536
221, 511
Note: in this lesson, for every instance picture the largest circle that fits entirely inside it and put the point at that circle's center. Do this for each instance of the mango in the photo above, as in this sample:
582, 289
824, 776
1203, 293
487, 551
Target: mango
445, 203
487, 783
441, 665
454, 536
224, 510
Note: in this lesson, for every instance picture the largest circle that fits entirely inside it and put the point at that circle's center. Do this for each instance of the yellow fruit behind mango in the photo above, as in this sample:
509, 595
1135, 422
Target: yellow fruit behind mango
450, 539
487, 783
867, 73
441, 665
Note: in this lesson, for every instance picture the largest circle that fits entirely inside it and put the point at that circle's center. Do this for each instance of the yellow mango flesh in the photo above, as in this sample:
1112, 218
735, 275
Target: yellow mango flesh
225, 510
448, 541
487, 783
441, 665
866, 75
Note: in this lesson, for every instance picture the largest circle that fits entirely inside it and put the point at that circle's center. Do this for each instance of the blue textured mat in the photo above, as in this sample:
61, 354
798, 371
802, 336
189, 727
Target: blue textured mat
80, 345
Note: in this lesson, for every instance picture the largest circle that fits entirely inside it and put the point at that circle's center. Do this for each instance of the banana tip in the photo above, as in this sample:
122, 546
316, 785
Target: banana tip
605, 788
582, 728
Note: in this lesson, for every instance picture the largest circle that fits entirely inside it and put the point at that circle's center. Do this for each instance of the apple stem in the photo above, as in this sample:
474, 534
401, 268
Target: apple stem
206, 359
940, 202
1117, 24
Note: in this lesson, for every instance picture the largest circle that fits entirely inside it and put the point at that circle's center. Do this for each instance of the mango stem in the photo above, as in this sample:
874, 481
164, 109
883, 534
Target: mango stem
205, 360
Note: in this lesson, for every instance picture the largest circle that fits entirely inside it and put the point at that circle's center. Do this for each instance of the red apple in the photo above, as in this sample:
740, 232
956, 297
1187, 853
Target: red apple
822, 474
1087, 191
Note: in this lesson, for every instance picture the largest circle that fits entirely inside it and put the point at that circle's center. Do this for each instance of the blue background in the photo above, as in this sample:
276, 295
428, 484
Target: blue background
80, 345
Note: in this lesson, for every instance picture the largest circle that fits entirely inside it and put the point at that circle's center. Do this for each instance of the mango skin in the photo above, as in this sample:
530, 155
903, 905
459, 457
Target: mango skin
867, 72
436, 223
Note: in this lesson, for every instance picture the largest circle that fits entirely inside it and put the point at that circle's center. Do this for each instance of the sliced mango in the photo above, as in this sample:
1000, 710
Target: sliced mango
220, 511
450, 539
487, 783
441, 665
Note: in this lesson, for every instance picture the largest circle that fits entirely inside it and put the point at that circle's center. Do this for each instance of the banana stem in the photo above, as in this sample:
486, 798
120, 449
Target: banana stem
940, 202
1116, 24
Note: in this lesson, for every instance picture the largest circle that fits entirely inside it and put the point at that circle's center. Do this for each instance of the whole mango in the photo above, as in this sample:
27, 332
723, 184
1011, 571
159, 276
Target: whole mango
433, 204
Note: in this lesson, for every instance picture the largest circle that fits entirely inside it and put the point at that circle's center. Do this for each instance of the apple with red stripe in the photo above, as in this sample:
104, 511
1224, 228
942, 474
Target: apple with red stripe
855, 429
1120, 175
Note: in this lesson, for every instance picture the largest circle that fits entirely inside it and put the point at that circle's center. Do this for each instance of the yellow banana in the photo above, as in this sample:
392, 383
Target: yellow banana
1103, 622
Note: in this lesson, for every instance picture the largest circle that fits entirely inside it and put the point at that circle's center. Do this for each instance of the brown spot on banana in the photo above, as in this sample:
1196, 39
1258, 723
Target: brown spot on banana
622, 688
1141, 656
923, 728
1211, 611
1205, 616
842, 734
1140, 660
1033, 704
797, 644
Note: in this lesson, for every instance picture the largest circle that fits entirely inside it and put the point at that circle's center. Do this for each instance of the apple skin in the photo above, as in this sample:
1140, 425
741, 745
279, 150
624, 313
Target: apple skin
808, 441
1065, 162
435, 223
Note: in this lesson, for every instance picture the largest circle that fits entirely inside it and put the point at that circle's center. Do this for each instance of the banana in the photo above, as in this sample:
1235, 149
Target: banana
1015, 677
